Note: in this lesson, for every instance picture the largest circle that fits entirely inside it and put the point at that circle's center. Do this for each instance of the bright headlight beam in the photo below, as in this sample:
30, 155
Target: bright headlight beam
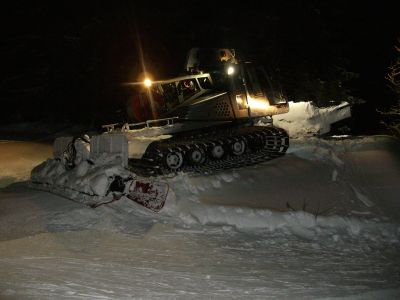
257, 104
230, 70
147, 82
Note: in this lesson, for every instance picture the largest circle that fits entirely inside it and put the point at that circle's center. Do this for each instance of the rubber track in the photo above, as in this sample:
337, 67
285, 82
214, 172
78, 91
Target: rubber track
277, 142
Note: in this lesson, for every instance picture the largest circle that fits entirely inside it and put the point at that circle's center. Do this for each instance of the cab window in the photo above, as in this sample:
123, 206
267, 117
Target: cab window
188, 88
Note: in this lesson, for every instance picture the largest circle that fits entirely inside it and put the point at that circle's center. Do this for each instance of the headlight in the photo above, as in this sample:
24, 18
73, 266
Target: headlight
230, 70
147, 82
258, 103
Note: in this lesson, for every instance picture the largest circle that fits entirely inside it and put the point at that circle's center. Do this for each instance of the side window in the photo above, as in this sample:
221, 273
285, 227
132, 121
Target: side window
188, 88
170, 94
205, 83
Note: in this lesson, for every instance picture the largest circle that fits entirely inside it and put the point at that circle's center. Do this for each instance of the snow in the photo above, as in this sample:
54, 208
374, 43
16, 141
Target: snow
18, 158
321, 222
304, 119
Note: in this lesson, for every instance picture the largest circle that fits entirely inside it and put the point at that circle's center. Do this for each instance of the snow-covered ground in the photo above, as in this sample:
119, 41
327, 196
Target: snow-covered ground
322, 222
18, 158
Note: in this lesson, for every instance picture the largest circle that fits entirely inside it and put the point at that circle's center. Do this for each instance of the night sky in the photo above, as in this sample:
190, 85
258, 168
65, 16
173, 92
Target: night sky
67, 61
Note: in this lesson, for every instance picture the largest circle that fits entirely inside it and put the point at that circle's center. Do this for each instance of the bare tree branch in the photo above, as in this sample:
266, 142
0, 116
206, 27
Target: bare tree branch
391, 116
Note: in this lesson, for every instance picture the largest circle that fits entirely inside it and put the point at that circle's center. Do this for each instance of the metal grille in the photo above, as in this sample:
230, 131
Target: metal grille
222, 109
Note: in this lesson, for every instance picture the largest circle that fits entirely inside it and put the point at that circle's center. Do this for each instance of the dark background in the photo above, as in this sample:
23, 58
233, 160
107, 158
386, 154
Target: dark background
66, 61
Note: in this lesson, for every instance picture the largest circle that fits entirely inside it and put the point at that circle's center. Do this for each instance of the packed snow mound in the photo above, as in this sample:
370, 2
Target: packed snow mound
300, 223
18, 158
127, 217
323, 173
353, 190
305, 119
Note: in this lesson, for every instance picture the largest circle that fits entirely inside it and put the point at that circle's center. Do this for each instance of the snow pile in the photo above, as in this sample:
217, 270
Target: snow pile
304, 119
271, 196
184, 204
300, 223
18, 158
318, 150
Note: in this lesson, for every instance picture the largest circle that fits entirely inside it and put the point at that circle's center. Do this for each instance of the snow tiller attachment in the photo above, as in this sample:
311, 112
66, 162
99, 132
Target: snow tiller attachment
95, 173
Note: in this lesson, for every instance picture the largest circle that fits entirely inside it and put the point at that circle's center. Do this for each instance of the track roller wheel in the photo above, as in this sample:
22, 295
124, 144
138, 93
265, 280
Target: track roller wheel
238, 147
196, 156
217, 151
173, 159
